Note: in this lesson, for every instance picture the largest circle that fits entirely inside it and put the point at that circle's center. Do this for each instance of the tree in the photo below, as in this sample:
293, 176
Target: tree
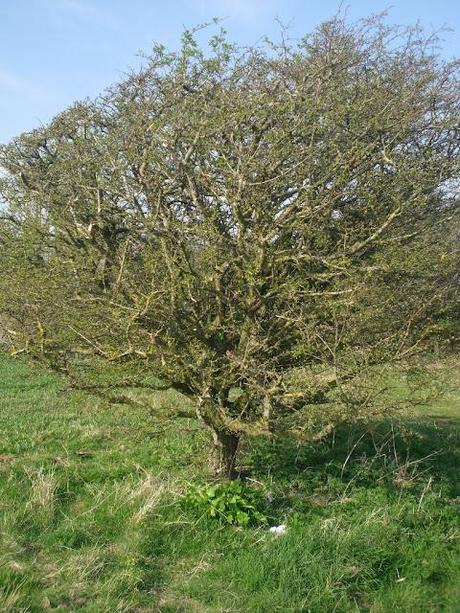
233, 222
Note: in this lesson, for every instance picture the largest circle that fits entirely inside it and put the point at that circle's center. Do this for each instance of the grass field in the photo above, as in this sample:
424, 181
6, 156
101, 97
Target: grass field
93, 516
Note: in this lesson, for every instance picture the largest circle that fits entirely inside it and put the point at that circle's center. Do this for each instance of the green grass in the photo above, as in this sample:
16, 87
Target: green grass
93, 515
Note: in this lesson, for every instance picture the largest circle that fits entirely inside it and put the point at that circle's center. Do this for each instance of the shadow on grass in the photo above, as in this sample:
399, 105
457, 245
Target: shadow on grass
394, 455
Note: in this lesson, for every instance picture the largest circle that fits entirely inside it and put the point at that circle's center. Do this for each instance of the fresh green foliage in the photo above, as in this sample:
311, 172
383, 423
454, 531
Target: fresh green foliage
93, 517
230, 502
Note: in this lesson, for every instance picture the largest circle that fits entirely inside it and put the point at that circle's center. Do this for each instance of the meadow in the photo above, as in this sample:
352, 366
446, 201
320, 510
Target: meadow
94, 514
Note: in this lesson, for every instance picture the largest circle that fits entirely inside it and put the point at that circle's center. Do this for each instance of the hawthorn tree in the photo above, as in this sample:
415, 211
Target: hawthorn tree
253, 227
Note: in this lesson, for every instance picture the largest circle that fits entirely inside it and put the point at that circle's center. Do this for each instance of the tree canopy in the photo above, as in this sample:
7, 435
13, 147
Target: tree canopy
255, 227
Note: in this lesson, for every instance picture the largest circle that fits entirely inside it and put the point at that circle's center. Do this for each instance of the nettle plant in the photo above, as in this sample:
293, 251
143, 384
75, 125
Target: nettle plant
252, 227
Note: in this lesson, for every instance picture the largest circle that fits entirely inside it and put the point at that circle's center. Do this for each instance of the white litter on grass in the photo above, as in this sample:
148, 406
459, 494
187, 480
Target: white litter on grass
279, 530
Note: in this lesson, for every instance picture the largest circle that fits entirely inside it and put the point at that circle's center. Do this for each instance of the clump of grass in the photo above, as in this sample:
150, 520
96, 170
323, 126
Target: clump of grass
43, 487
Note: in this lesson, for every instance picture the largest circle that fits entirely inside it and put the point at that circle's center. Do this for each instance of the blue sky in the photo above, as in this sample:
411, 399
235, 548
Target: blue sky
53, 52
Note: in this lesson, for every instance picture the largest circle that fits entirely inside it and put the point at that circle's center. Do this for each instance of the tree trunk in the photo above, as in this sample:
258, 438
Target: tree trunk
224, 456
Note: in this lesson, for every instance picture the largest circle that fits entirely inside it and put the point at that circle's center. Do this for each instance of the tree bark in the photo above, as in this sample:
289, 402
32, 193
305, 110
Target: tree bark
225, 451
